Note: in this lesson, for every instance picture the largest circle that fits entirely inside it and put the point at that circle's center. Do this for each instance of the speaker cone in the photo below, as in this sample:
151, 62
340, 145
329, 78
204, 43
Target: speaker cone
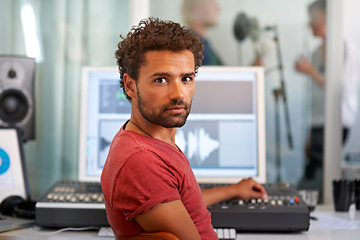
13, 106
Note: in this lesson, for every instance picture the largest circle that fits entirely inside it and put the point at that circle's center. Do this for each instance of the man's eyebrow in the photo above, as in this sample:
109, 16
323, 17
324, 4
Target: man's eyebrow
166, 74
191, 74
159, 74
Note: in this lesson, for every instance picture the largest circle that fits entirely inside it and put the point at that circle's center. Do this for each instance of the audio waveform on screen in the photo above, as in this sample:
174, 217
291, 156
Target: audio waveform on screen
197, 145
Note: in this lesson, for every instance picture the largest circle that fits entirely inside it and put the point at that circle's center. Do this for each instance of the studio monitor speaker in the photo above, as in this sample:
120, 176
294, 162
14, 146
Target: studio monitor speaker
17, 94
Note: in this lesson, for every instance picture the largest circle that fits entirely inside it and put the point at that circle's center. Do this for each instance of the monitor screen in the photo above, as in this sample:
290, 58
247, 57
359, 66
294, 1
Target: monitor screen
223, 138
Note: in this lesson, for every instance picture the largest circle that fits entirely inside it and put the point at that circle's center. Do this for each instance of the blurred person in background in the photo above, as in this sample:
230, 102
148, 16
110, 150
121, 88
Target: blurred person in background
315, 69
199, 16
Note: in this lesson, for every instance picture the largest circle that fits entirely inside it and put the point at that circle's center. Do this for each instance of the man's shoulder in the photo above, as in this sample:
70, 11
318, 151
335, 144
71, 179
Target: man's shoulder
131, 148
126, 143
131, 144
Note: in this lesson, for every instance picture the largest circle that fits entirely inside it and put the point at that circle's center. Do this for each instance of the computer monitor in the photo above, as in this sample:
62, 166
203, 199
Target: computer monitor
223, 138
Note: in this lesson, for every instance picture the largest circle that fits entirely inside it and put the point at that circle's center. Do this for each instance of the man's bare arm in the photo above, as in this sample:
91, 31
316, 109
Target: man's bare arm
169, 217
303, 65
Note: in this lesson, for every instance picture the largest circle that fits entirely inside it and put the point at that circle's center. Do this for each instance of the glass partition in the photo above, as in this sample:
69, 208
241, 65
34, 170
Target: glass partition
62, 36
280, 32
290, 37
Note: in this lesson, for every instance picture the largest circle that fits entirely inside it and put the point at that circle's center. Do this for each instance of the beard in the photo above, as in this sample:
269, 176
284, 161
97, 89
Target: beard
161, 116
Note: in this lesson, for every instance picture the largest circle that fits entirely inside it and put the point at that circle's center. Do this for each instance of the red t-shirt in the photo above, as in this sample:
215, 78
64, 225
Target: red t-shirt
140, 172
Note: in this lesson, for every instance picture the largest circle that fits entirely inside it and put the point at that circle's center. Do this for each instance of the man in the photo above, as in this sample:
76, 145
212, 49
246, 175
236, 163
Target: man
315, 69
147, 181
200, 16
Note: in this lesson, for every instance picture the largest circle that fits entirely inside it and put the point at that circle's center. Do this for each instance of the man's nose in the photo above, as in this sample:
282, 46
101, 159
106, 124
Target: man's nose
177, 91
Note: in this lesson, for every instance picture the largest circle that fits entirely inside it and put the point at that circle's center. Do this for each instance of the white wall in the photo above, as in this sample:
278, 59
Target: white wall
294, 38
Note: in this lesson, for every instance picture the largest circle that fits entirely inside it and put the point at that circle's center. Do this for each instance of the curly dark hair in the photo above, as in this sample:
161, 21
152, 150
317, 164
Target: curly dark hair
153, 34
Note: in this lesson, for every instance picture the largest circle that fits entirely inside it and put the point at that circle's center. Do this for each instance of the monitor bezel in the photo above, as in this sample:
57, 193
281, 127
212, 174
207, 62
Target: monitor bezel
259, 71
86, 70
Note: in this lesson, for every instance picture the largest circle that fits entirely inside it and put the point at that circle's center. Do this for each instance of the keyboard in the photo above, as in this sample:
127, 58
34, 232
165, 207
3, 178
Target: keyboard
226, 233
222, 233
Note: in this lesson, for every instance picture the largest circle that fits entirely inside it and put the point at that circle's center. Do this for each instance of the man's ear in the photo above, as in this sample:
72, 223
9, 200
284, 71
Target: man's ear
130, 85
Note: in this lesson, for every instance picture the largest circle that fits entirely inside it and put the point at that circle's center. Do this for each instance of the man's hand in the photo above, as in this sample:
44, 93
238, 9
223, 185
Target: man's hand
303, 65
245, 189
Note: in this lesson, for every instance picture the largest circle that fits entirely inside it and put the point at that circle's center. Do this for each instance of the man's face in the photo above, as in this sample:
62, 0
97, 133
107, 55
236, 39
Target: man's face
165, 87
207, 13
318, 23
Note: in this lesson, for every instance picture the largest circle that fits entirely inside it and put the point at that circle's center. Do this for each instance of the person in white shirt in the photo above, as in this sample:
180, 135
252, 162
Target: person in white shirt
315, 69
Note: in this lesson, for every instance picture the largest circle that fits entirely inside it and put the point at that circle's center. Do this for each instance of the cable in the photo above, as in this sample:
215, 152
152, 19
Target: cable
64, 230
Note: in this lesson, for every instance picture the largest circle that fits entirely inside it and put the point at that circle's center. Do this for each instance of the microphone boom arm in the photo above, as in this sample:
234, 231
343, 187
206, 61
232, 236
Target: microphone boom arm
282, 90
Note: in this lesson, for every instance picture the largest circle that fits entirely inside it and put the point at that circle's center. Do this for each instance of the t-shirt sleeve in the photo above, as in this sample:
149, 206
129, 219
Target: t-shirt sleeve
144, 181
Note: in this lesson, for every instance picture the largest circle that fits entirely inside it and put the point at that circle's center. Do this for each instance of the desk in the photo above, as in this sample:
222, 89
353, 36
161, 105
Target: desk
330, 225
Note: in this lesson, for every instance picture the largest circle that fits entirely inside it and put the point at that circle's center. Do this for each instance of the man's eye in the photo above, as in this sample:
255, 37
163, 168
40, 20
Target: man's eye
160, 80
187, 79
